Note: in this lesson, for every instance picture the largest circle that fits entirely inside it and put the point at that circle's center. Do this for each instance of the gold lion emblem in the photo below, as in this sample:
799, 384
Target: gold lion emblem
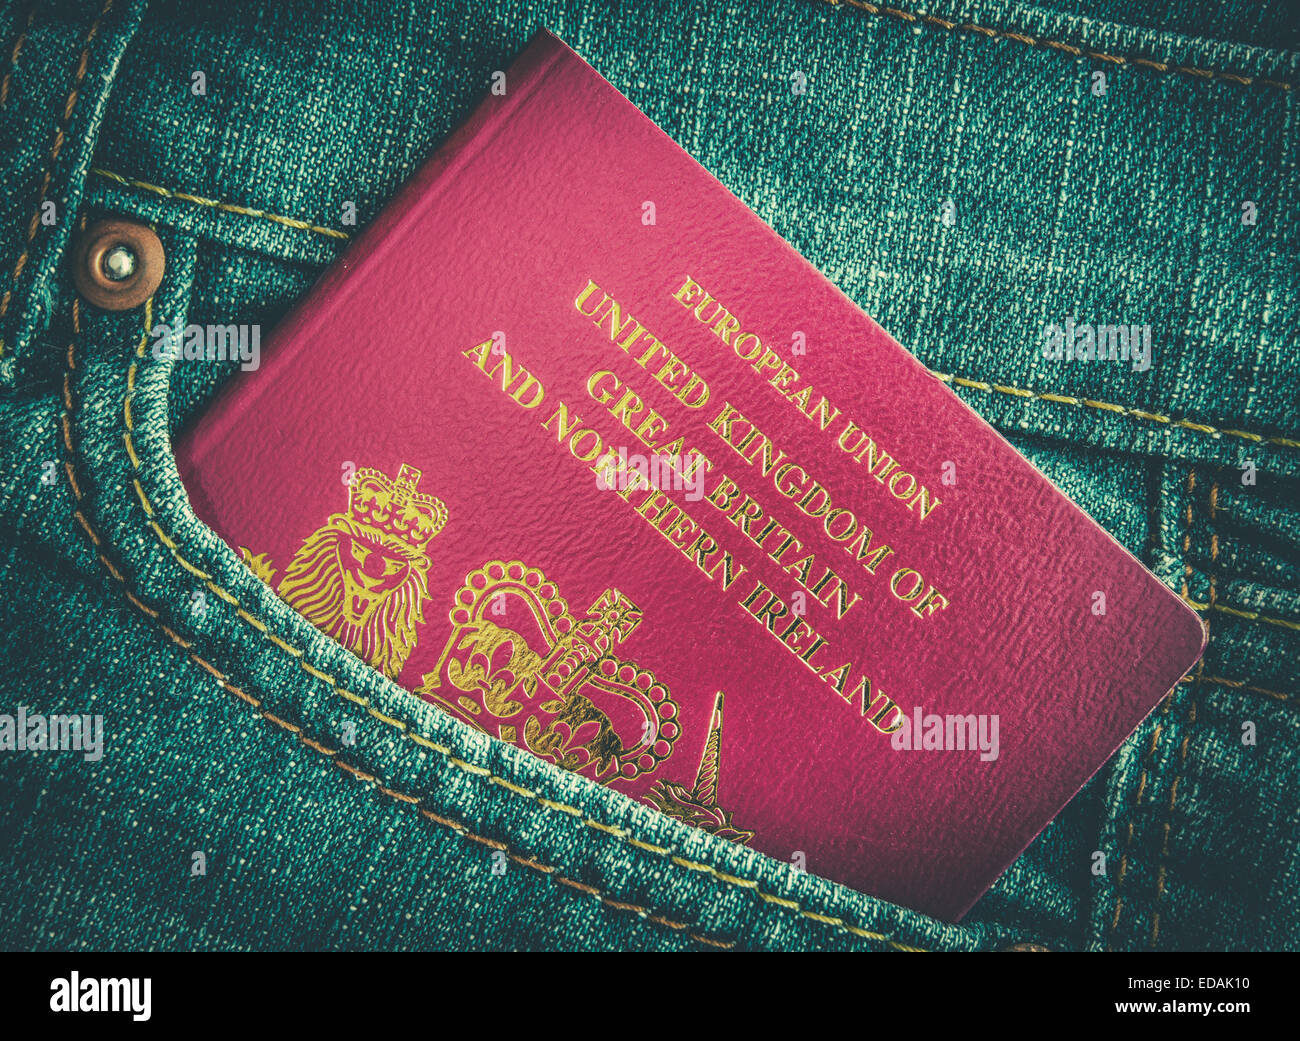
363, 577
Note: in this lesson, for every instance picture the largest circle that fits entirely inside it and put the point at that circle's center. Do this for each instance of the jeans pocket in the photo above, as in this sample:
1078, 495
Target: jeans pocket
502, 848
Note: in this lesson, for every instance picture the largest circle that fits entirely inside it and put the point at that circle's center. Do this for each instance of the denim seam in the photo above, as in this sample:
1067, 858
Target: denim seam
56, 146
1212, 513
402, 726
1123, 410
950, 25
14, 54
217, 204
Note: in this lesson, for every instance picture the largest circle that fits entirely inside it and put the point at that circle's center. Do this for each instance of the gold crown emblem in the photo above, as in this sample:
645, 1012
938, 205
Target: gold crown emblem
392, 505
520, 666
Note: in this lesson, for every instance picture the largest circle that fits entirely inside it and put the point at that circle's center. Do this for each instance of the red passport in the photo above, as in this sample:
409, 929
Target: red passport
573, 446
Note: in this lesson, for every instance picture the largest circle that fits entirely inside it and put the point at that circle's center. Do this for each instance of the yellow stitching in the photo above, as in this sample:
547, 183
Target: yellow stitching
1149, 760
255, 622
472, 768
226, 596
1123, 410
314, 671
573, 811
1219, 681
216, 204
112, 570
81, 519
948, 25
518, 789
72, 480
148, 506
162, 536
187, 565
1236, 612
286, 647
14, 55
171, 635
333, 754
392, 722
56, 146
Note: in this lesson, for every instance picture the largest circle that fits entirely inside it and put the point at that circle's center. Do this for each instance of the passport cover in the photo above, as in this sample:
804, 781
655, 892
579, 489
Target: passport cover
573, 446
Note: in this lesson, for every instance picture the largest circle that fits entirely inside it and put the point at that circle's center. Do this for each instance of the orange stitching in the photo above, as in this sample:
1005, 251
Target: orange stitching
1219, 681
405, 729
934, 21
69, 106
334, 754
1128, 837
228, 207
14, 55
1120, 410
1213, 574
1237, 612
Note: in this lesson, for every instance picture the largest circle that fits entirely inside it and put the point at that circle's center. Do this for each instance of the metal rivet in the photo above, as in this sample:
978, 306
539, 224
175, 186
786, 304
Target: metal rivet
117, 264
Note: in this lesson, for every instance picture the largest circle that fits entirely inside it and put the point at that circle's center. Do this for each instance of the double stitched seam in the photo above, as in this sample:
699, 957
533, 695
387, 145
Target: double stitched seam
56, 146
333, 755
404, 728
1181, 768
949, 25
1200, 679
14, 54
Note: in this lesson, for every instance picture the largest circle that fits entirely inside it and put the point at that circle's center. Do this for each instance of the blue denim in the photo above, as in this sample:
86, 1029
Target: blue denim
964, 175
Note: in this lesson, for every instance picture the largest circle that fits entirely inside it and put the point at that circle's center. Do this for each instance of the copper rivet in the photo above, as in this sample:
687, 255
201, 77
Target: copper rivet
117, 264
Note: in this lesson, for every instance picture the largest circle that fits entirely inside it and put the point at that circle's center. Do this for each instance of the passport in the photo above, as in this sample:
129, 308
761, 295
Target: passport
574, 447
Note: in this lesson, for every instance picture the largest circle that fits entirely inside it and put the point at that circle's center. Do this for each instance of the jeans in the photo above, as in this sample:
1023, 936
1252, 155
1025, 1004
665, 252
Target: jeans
973, 181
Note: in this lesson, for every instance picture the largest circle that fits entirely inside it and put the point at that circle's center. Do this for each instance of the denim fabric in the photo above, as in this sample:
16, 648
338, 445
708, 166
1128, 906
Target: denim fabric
962, 175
